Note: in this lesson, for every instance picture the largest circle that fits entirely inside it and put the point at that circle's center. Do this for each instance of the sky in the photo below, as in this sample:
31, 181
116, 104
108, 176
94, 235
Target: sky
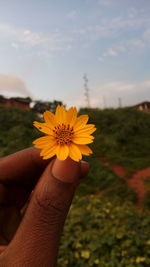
47, 46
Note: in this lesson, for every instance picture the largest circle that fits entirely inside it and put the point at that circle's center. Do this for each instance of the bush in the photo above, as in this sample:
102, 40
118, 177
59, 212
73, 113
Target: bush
17, 131
105, 233
122, 136
100, 177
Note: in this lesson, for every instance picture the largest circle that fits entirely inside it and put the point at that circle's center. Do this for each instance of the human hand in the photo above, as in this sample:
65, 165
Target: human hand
41, 191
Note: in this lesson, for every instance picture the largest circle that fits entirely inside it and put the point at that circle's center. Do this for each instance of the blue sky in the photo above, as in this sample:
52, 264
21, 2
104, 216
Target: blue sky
46, 46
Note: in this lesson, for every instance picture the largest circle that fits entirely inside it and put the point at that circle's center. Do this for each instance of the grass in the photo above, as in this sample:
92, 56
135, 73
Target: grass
101, 230
122, 137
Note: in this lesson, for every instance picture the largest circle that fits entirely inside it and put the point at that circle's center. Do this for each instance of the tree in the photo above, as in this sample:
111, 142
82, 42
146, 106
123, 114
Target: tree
41, 106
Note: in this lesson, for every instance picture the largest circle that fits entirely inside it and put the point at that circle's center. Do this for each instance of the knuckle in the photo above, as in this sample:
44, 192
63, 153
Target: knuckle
47, 203
50, 201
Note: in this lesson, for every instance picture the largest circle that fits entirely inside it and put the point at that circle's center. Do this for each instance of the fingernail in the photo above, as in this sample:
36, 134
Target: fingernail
66, 170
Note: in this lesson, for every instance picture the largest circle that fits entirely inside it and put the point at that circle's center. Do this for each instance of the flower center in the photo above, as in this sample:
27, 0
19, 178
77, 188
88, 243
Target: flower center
63, 134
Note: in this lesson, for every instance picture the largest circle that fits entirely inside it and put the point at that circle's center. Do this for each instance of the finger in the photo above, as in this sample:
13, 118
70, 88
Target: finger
9, 220
38, 236
2, 248
14, 194
84, 172
22, 166
18, 194
19, 173
84, 168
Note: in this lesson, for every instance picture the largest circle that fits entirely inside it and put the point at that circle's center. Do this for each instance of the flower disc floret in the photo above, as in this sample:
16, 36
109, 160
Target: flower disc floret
66, 134
63, 134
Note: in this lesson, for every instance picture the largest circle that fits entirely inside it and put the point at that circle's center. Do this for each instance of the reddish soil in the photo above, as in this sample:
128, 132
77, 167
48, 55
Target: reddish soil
137, 184
118, 169
135, 181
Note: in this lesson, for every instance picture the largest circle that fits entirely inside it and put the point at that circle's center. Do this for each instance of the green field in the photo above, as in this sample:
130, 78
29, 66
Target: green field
122, 136
102, 230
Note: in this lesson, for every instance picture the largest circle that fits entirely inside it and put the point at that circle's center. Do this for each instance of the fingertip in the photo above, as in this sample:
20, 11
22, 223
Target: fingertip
84, 168
66, 170
69, 170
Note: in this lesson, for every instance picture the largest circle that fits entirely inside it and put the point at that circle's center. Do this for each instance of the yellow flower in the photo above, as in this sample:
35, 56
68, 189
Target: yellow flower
66, 135
85, 254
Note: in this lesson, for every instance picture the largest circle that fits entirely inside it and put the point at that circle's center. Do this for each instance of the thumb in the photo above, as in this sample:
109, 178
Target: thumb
37, 239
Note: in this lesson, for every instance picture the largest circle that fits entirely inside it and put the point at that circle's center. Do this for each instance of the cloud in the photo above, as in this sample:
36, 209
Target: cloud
134, 21
136, 43
72, 15
124, 46
24, 38
11, 85
146, 34
14, 45
108, 94
111, 52
146, 84
57, 40
101, 59
105, 3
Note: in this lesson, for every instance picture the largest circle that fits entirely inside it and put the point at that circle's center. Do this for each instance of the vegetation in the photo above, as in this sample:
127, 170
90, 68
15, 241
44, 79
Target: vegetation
122, 136
146, 203
102, 179
40, 106
105, 233
103, 227
16, 131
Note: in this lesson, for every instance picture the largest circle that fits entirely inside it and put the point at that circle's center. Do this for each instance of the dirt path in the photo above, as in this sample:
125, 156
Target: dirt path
137, 184
135, 181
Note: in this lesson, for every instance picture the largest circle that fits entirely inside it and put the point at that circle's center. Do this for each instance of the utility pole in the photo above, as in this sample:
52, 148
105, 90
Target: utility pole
86, 89
120, 102
104, 102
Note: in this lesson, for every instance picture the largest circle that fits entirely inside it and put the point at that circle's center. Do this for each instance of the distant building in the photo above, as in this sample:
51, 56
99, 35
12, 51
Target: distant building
144, 106
18, 102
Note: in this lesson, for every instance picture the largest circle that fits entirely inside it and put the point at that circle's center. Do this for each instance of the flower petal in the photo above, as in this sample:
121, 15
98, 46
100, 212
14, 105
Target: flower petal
83, 132
44, 142
74, 152
91, 137
49, 117
60, 114
83, 140
80, 122
47, 150
85, 150
71, 116
62, 152
43, 127
43, 139
50, 154
85, 128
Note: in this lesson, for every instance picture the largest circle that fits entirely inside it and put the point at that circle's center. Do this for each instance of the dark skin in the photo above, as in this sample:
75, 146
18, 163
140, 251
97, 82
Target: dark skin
41, 192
